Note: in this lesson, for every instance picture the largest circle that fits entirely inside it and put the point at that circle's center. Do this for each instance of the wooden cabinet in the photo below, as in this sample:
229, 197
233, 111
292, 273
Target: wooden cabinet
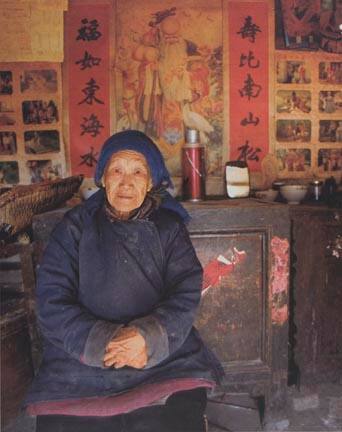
316, 287
244, 247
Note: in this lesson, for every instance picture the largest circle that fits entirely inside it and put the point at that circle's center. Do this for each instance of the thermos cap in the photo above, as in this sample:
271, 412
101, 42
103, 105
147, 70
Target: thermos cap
191, 136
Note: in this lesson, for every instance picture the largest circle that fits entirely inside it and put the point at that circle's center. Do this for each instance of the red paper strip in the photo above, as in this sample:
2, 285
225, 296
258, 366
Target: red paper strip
248, 56
87, 35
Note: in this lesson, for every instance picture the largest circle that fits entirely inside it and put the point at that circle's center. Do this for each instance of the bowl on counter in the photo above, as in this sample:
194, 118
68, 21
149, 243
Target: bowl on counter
266, 195
294, 193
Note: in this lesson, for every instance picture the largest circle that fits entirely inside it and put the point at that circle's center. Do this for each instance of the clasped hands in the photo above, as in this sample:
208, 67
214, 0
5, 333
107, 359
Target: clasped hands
126, 348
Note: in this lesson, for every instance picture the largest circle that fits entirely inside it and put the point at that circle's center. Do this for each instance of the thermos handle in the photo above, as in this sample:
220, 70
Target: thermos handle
192, 164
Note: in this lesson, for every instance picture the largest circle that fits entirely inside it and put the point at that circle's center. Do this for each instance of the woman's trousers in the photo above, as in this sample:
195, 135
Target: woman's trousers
183, 412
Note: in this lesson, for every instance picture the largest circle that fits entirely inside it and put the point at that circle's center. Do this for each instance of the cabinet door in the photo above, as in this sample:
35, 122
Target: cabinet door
244, 250
317, 293
328, 307
232, 317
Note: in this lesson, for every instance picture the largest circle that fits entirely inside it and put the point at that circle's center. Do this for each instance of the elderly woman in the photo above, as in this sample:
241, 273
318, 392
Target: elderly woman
118, 290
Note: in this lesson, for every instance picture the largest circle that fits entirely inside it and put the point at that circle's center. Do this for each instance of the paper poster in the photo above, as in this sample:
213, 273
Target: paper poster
169, 75
31, 30
248, 82
87, 30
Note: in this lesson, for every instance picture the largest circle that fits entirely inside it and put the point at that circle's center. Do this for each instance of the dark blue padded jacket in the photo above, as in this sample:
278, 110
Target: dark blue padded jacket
97, 276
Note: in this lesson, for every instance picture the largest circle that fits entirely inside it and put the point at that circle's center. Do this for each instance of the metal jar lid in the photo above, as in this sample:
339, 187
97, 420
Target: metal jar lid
192, 136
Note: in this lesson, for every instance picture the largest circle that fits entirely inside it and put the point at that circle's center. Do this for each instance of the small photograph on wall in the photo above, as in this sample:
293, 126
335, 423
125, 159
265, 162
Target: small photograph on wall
38, 142
7, 117
330, 102
330, 72
41, 170
39, 111
293, 160
42, 81
9, 173
289, 101
6, 83
300, 23
330, 130
329, 26
330, 160
294, 130
293, 72
8, 143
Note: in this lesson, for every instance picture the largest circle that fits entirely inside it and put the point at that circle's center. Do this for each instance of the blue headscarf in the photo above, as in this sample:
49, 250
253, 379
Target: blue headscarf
139, 142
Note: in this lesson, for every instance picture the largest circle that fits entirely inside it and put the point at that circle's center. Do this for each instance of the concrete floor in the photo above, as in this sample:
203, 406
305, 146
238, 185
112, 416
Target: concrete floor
315, 408
312, 409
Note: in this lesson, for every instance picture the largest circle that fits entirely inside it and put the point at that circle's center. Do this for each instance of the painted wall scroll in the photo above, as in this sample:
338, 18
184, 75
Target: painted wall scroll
301, 23
87, 29
169, 74
248, 82
308, 25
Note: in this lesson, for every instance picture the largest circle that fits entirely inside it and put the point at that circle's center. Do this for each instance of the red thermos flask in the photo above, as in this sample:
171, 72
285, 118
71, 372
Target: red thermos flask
193, 167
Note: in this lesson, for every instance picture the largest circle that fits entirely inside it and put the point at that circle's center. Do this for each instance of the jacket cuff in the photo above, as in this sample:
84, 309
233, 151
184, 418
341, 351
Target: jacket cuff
156, 339
99, 336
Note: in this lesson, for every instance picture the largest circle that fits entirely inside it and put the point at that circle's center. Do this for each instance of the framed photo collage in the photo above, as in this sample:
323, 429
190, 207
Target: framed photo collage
308, 115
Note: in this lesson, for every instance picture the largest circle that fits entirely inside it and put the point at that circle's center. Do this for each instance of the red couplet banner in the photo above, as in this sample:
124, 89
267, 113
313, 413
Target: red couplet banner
248, 77
87, 35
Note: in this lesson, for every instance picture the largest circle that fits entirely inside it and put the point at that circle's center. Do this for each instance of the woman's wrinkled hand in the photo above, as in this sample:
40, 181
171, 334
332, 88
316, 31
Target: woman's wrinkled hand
127, 348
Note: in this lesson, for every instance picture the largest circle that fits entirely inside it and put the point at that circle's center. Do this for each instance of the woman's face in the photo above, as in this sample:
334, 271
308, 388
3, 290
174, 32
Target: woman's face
126, 180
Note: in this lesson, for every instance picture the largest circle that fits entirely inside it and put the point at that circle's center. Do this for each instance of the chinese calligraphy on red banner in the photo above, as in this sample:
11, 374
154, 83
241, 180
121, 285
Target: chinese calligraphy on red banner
87, 33
248, 57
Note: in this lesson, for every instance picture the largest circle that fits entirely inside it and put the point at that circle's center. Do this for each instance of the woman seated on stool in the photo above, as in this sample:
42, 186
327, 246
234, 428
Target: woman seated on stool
118, 290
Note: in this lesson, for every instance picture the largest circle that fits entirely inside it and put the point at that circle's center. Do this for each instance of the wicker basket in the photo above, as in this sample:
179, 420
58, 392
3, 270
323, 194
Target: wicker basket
18, 205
